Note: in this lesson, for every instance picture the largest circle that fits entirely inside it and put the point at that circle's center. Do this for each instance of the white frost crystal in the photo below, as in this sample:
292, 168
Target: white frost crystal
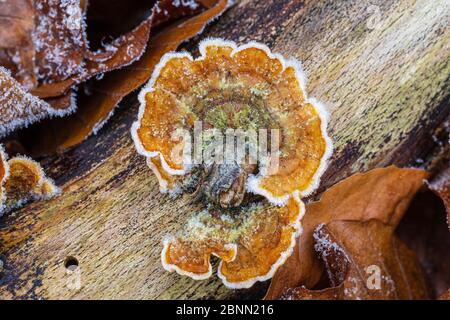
59, 19
18, 108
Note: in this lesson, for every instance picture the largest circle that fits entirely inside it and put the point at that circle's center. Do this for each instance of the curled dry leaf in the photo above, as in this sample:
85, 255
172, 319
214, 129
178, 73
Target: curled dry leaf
55, 42
424, 229
16, 23
22, 180
364, 260
18, 107
59, 40
58, 46
243, 89
51, 49
382, 194
97, 104
120, 52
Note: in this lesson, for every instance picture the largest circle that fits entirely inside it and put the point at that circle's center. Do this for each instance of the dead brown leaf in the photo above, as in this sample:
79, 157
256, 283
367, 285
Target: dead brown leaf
382, 194
94, 109
18, 107
120, 52
365, 260
22, 180
425, 231
16, 23
59, 40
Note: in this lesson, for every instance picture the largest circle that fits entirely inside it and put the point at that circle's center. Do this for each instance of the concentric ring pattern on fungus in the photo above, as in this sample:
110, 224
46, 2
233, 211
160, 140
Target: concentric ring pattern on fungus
240, 88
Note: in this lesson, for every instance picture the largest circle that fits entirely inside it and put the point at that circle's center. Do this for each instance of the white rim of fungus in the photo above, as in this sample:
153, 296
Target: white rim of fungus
196, 276
4, 160
163, 183
253, 181
281, 260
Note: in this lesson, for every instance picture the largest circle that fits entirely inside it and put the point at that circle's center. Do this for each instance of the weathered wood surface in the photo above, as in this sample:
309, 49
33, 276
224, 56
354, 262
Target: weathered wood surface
382, 67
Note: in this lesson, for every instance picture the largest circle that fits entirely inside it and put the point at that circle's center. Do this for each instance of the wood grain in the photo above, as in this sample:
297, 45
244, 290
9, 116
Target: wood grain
383, 69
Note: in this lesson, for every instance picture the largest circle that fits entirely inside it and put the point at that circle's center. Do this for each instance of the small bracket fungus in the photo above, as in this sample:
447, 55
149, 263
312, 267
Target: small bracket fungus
235, 129
22, 180
252, 242
4, 174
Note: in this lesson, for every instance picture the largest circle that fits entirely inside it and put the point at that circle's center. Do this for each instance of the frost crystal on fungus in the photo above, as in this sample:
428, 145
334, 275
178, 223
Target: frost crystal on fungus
252, 209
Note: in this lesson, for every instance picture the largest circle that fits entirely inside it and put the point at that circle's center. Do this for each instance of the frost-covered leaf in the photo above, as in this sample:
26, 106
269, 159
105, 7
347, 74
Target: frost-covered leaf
18, 107
364, 260
47, 51
97, 105
121, 52
382, 194
16, 22
445, 296
59, 39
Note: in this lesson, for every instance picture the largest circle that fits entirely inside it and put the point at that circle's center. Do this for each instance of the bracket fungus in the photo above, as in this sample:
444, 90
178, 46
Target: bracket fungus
252, 242
22, 180
279, 147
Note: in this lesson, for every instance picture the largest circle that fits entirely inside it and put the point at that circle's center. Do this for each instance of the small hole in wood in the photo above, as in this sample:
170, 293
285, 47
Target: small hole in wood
71, 263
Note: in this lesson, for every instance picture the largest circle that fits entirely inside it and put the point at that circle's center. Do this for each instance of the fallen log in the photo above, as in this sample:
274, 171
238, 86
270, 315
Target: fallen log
382, 68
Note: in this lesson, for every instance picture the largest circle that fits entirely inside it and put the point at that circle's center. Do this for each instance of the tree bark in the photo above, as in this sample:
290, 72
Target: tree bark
382, 67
